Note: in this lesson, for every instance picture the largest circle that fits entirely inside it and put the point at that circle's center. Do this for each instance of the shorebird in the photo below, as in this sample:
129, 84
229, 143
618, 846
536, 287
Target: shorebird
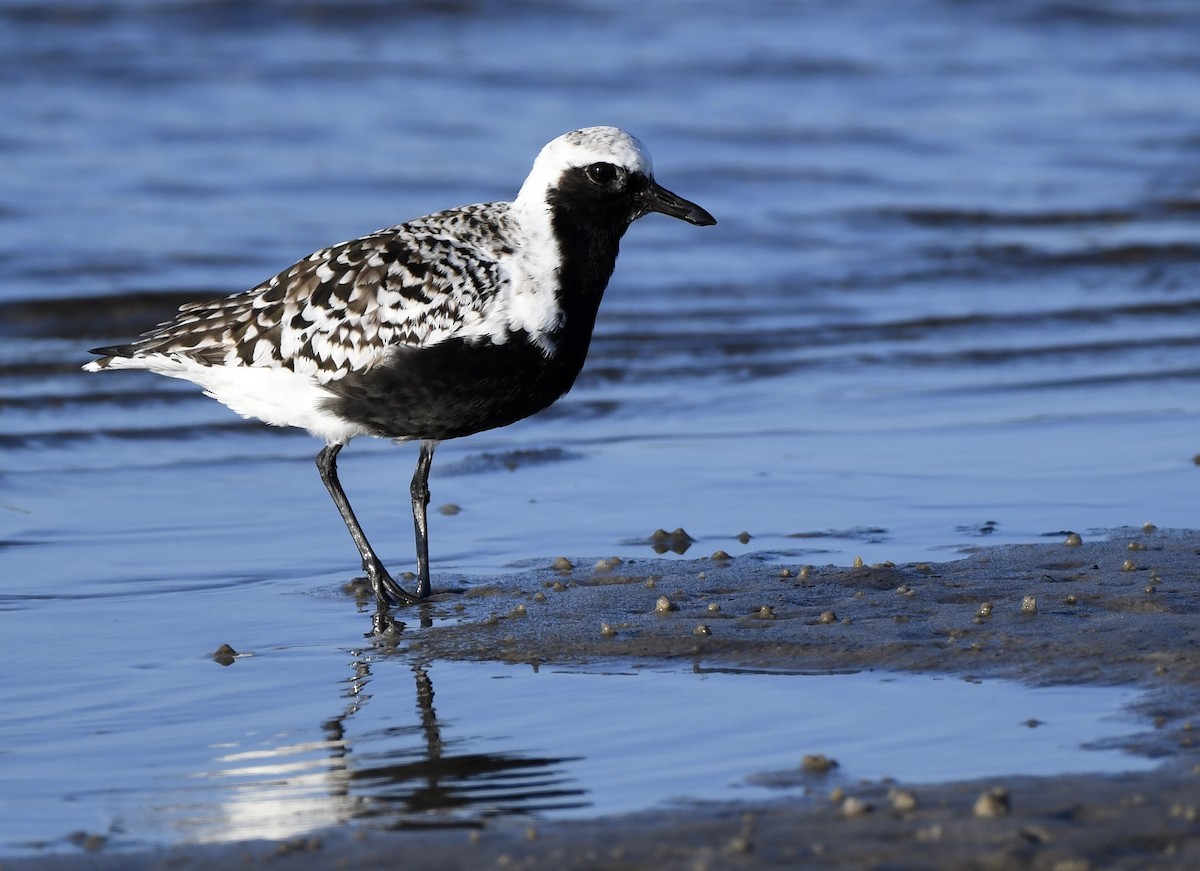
444, 326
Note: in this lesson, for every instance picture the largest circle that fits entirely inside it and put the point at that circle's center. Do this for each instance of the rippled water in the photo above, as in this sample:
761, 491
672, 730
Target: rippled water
951, 299
300, 738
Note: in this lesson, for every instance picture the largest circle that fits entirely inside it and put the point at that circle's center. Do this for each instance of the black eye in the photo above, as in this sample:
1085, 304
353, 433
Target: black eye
601, 173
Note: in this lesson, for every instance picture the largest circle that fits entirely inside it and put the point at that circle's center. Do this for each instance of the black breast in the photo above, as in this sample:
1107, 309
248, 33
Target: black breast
457, 387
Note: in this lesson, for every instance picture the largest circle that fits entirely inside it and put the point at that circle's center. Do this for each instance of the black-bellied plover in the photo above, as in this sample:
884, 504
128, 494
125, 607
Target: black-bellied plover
441, 327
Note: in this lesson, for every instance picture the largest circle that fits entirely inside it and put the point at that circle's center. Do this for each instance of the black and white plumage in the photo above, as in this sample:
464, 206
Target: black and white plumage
440, 327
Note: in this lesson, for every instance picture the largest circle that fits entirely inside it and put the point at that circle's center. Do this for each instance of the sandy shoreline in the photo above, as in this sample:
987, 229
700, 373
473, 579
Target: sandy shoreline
1118, 611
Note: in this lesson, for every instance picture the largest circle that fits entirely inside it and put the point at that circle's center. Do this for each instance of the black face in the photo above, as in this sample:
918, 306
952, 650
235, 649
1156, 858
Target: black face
591, 207
599, 194
611, 196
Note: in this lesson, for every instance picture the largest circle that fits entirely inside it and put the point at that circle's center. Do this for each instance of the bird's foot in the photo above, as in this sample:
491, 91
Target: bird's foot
387, 591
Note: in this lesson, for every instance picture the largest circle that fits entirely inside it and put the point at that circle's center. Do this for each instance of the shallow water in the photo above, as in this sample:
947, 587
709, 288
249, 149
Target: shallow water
288, 740
951, 301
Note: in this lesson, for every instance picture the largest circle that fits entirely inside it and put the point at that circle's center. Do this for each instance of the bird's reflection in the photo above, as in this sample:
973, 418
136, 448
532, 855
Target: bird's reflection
404, 776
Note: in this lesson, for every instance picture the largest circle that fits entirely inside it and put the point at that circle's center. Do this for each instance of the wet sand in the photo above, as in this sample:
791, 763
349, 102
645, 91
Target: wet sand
1117, 611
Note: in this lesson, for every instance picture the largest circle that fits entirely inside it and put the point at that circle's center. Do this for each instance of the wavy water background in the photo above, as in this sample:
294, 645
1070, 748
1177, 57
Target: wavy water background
952, 300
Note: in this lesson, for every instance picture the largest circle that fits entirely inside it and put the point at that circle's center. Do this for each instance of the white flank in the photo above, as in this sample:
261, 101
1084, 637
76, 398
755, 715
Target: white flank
530, 300
271, 394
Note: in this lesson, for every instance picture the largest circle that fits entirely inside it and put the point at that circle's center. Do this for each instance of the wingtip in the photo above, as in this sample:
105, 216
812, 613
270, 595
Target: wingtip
109, 351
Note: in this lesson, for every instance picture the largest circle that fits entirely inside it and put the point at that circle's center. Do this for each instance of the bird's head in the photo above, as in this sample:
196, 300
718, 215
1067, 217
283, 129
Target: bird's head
602, 176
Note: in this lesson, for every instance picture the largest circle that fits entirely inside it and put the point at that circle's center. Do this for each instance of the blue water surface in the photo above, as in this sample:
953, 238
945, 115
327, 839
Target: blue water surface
951, 300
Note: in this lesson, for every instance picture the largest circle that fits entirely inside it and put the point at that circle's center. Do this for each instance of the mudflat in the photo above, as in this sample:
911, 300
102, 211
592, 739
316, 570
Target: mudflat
1118, 610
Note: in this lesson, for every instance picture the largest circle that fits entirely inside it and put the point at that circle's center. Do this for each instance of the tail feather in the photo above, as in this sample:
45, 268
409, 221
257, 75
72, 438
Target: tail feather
107, 354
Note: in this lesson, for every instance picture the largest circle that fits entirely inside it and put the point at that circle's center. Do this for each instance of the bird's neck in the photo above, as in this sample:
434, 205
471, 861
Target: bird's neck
588, 253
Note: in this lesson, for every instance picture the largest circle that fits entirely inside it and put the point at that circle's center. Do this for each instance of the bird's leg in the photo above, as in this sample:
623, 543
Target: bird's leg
386, 590
420, 504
